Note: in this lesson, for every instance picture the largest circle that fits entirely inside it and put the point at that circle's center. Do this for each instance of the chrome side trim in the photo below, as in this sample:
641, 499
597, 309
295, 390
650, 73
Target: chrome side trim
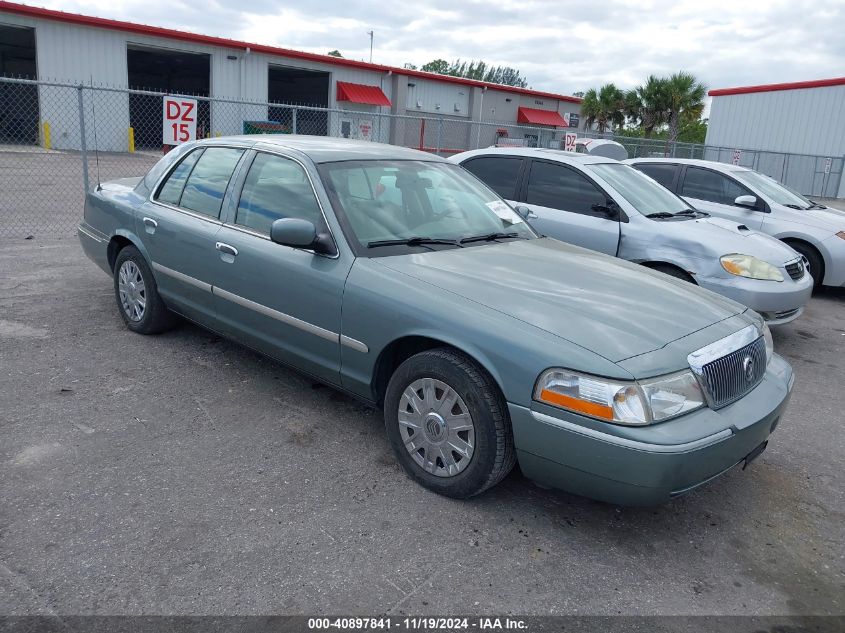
198, 216
632, 444
89, 234
718, 349
191, 281
352, 343
275, 314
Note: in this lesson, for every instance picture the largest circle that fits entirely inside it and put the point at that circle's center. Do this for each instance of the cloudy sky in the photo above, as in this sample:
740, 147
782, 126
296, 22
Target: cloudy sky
560, 46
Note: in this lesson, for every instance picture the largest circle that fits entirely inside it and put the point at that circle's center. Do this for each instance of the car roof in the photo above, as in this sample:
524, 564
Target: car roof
558, 155
324, 149
690, 161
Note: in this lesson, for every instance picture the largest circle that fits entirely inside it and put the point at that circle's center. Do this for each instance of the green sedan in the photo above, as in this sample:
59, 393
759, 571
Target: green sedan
401, 279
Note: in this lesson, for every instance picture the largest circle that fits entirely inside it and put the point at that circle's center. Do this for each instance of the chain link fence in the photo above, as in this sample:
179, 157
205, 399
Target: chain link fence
57, 140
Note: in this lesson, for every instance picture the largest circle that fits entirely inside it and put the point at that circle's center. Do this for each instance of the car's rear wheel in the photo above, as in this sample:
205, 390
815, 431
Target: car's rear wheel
448, 423
138, 301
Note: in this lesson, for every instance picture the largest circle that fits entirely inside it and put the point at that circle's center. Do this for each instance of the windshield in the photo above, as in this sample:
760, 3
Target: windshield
641, 192
380, 201
772, 189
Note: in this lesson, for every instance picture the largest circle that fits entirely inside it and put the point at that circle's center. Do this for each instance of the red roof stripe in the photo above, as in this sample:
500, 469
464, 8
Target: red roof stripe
540, 117
798, 85
360, 93
185, 36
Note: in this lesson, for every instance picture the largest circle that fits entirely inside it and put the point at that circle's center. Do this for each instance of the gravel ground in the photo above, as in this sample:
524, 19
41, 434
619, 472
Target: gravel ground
182, 474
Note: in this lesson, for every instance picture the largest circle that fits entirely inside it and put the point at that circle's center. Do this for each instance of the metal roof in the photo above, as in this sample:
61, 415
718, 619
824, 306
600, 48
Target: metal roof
798, 85
157, 31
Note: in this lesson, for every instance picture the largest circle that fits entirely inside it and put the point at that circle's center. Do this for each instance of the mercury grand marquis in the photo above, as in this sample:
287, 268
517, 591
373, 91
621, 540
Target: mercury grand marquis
398, 277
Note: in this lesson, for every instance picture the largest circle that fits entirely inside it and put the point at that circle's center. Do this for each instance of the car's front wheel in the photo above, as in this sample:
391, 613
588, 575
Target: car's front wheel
137, 296
448, 423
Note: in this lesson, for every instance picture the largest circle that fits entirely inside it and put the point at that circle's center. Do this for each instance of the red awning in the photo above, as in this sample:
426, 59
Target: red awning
540, 117
360, 93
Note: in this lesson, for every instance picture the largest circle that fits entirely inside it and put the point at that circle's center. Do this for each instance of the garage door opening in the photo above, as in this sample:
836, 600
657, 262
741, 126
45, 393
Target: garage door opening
299, 87
171, 72
18, 102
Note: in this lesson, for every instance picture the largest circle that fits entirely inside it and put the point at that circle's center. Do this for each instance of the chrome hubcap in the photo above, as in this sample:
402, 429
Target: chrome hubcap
132, 291
436, 427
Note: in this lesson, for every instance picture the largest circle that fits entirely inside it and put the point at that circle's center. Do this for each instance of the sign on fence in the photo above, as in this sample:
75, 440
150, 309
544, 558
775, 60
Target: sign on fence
569, 142
827, 163
180, 120
737, 155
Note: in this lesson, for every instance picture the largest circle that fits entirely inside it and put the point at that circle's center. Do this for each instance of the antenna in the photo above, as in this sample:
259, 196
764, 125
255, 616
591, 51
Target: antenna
96, 144
370, 33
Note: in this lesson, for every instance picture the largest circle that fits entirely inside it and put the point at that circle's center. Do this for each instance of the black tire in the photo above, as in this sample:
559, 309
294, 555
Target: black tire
814, 260
673, 271
156, 317
494, 455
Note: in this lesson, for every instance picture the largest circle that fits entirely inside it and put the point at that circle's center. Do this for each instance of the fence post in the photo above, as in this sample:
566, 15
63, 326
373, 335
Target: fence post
82, 142
293, 120
439, 135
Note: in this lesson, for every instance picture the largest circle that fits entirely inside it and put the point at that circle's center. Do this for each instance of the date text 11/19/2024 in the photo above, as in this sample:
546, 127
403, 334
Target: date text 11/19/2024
422, 623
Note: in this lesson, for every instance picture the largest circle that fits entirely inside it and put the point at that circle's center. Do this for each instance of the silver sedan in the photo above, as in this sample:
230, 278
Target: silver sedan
609, 207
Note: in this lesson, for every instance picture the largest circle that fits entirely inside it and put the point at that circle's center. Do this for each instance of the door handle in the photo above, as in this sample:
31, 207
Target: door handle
225, 248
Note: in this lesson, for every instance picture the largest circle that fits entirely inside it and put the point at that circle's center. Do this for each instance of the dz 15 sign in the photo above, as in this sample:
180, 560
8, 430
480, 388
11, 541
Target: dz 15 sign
569, 142
180, 120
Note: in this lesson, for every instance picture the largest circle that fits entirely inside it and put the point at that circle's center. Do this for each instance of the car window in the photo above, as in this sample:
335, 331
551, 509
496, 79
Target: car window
642, 193
664, 174
497, 172
208, 181
553, 185
712, 186
276, 188
171, 189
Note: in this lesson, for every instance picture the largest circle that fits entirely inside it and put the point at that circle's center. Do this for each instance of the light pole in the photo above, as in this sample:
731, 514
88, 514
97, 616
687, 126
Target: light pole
370, 33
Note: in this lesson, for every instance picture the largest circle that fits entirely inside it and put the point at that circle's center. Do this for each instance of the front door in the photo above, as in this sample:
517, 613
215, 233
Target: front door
563, 201
283, 301
715, 193
178, 227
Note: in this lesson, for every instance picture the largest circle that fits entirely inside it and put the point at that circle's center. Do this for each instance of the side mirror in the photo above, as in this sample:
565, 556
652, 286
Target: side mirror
746, 201
299, 233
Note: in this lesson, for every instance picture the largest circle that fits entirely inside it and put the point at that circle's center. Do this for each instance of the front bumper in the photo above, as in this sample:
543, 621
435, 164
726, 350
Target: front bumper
647, 465
777, 302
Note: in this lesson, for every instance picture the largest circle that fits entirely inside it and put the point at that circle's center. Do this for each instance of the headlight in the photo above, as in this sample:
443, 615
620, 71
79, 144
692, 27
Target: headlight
751, 267
634, 403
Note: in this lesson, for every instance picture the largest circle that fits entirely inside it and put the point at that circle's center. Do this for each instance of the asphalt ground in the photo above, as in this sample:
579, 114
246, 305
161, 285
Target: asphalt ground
183, 474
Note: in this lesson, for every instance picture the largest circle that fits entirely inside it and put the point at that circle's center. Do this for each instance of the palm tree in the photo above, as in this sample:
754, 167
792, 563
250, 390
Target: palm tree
684, 99
647, 105
604, 108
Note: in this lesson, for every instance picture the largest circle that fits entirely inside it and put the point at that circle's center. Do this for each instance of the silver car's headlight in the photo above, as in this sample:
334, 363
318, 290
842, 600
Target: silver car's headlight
750, 266
634, 403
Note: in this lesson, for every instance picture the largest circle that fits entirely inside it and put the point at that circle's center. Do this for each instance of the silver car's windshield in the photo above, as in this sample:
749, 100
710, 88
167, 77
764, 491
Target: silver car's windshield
641, 192
773, 189
390, 201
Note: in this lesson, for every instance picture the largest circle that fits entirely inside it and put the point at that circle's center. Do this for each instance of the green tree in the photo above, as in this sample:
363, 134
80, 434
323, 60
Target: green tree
684, 101
439, 66
647, 105
478, 70
334, 53
604, 108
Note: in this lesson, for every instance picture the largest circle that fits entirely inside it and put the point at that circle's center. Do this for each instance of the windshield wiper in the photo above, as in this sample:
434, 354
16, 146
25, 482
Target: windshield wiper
413, 241
795, 206
693, 213
815, 205
489, 237
661, 214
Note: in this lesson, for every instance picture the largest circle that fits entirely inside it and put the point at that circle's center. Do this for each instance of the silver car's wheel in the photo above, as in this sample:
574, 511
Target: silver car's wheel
132, 291
436, 427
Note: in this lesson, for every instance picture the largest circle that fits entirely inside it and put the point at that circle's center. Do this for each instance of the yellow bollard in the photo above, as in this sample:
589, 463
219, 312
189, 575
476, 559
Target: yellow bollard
131, 140
45, 135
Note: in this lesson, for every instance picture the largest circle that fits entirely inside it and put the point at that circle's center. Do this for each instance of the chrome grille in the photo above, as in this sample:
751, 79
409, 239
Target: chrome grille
730, 377
796, 269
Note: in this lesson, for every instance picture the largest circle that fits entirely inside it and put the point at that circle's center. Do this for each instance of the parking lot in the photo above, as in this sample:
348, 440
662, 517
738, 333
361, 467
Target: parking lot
182, 474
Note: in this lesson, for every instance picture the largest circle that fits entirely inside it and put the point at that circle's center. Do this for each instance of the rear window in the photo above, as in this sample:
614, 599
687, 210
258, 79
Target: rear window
664, 174
497, 172
208, 181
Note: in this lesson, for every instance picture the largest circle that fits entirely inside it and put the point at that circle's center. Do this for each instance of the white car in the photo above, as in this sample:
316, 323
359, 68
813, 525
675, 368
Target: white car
606, 206
760, 203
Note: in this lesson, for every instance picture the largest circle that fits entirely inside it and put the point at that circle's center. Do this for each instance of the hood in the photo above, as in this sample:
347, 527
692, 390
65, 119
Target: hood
829, 219
606, 305
725, 237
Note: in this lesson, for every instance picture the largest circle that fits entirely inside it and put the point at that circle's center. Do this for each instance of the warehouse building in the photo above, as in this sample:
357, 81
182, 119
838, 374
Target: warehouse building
243, 81
794, 132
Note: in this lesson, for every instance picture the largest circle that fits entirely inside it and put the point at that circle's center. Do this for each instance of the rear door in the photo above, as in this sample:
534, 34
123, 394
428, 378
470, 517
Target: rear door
500, 173
714, 192
564, 201
664, 173
179, 224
